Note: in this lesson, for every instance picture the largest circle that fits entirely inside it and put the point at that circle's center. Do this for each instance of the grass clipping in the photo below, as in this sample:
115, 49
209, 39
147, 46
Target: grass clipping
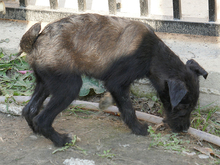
71, 144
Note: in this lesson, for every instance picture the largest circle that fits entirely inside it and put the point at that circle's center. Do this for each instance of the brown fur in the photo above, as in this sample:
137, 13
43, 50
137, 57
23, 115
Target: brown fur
90, 43
29, 38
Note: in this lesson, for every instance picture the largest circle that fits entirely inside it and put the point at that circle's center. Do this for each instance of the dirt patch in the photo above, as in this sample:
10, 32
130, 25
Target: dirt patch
98, 132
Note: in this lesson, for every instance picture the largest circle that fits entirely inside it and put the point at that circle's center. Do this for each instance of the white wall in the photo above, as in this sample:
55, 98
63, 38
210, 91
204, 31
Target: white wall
218, 10
192, 10
68, 4
97, 5
130, 6
161, 7
195, 10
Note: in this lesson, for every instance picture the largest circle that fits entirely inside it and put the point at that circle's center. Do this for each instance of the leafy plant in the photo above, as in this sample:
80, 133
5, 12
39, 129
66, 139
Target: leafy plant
156, 100
17, 79
203, 120
12, 82
68, 145
169, 141
217, 162
210, 113
106, 154
78, 109
91, 83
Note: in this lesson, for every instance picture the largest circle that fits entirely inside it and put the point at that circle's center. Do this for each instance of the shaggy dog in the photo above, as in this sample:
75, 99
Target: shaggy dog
114, 50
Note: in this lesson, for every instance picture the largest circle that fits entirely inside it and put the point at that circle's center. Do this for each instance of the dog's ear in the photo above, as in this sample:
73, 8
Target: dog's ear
195, 67
177, 90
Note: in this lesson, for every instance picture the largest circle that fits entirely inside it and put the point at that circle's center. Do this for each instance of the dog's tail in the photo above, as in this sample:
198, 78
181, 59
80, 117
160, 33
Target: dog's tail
29, 38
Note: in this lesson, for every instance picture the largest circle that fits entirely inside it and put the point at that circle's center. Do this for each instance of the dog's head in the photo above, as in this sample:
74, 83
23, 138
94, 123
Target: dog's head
183, 96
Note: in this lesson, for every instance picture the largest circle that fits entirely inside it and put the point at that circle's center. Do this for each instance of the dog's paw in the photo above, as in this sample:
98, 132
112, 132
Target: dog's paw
106, 101
60, 140
141, 129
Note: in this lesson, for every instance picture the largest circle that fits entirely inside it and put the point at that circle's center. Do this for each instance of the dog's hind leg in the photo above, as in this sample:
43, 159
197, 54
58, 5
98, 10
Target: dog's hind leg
64, 89
122, 99
35, 103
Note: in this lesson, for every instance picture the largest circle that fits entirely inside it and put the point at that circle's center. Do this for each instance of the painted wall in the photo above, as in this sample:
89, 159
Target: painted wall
192, 10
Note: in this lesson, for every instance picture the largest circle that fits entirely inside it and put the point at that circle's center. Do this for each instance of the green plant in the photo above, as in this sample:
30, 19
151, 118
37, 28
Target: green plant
1, 54
68, 145
156, 137
106, 154
154, 98
217, 162
78, 109
160, 111
12, 82
203, 119
210, 113
156, 101
169, 141
91, 83
17, 79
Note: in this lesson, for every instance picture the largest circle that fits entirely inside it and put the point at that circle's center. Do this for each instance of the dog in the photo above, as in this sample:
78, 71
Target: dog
114, 50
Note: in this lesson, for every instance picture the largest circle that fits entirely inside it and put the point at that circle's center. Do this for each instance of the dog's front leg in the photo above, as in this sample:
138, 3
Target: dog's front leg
122, 99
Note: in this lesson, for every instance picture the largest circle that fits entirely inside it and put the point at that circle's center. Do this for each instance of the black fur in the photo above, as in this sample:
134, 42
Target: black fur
114, 50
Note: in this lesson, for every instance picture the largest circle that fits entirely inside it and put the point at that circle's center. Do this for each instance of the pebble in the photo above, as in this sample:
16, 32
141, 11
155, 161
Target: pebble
202, 156
189, 153
125, 145
77, 161
33, 137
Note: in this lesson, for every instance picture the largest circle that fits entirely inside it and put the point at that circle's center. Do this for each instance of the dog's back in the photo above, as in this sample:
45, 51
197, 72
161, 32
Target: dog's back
86, 43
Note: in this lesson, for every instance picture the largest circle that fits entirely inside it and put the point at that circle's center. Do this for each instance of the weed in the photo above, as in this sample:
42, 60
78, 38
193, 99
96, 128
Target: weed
91, 83
17, 159
17, 79
154, 98
168, 142
68, 145
210, 113
160, 111
217, 162
106, 154
12, 82
204, 120
158, 104
79, 110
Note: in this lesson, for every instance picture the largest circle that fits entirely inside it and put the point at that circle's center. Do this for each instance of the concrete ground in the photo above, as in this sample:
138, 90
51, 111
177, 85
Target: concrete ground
204, 49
